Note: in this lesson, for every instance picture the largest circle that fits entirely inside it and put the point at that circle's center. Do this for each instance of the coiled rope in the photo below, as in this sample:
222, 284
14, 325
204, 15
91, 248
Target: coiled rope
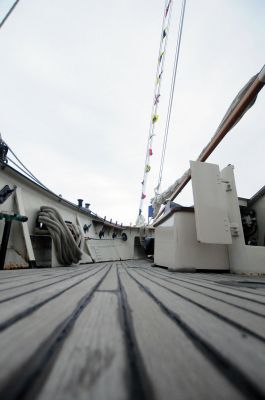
66, 243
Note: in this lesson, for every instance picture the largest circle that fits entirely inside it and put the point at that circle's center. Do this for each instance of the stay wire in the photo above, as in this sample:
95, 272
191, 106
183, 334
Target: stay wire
27, 174
22, 167
160, 65
9, 13
28, 171
171, 96
158, 86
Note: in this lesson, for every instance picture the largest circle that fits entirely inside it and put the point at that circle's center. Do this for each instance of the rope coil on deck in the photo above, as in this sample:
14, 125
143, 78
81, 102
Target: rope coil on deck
66, 245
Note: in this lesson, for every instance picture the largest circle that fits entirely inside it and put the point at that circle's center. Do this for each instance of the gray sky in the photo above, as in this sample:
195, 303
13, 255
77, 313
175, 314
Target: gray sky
76, 90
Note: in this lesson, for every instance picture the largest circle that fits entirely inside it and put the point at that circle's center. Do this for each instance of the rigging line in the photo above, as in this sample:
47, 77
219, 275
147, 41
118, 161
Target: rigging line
171, 96
156, 76
24, 172
20, 162
9, 13
160, 64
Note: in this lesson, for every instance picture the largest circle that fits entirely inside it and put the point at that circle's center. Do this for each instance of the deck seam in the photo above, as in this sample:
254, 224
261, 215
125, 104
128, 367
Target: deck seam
26, 313
230, 371
208, 295
29, 377
71, 273
212, 312
207, 281
214, 290
41, 287
139, 381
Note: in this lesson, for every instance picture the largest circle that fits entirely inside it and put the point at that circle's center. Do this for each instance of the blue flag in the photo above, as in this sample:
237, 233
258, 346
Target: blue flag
150, 211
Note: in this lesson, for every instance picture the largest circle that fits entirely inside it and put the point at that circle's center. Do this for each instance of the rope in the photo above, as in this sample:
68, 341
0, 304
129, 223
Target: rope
171, 96
33, 176
22, 168
66, 245
28, 174
9, 13
158, 80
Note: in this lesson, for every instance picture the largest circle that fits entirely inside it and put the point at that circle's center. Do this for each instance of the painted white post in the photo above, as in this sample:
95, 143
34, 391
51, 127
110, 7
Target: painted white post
25, 228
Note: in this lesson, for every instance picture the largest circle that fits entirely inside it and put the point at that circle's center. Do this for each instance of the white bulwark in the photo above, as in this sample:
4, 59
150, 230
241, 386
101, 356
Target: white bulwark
210, 236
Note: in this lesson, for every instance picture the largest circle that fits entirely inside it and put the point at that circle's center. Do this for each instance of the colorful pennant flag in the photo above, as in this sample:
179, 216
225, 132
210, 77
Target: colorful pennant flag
150, 211
156, 99
147, 168
155, 118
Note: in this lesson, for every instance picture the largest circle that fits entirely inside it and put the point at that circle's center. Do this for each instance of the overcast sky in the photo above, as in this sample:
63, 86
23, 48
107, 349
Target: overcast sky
76, 91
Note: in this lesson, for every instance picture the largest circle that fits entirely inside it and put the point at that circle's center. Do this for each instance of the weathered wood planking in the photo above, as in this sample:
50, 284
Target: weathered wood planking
26, 282
255, 306
126, 330
243, 353
239, 316
19, 288
28, 302
258, 295
34, 337
93, 360
171, 359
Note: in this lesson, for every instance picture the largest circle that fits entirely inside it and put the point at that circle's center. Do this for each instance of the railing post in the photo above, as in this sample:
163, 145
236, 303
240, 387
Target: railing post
4, 243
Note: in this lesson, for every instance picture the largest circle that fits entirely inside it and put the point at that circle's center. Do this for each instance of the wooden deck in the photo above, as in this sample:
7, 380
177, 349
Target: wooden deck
127, 330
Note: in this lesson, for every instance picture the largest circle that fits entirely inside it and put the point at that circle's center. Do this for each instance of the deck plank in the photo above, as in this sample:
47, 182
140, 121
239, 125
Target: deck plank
245, 318
23, 305
244, 352
93, 359
8, 291
229, 298
172, 361
126, 330
255, 295
34, 337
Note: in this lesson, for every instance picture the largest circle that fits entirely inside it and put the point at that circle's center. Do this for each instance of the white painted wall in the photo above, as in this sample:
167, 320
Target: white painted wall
105, 249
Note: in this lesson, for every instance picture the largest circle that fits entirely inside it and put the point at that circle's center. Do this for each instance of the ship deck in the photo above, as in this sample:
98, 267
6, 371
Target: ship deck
127, 330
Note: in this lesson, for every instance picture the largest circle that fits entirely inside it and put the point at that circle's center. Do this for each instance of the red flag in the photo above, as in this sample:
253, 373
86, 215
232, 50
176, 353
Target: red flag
150, 152
143, 196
